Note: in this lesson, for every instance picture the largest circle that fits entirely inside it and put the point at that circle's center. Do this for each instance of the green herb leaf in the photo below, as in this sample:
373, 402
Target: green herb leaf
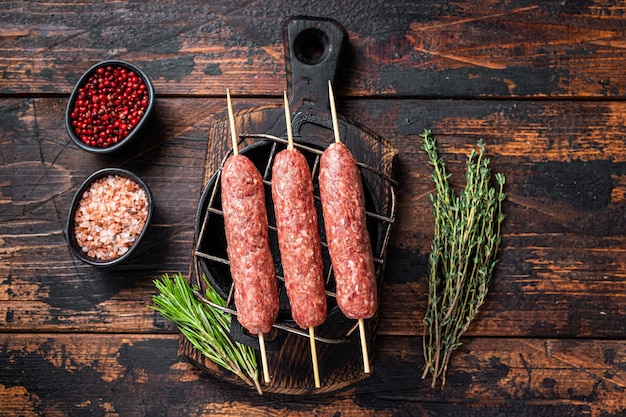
463, 253
205, 325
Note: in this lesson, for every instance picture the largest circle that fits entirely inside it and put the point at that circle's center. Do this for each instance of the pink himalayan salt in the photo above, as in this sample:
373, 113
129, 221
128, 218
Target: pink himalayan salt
110, 216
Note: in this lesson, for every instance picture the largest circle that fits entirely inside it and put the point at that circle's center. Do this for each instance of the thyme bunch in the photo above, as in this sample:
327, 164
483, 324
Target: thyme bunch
463, 253
205, 326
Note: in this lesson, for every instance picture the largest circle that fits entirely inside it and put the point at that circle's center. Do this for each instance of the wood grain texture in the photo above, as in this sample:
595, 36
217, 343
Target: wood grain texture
541, 82
563, 238
138, 375
429, 48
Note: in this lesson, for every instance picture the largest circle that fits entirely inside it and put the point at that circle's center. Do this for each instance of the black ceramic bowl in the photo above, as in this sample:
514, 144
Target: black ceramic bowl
99, 118
117, 196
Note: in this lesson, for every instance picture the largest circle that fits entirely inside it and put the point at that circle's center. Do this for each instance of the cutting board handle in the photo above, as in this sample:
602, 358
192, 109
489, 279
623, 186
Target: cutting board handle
313, 50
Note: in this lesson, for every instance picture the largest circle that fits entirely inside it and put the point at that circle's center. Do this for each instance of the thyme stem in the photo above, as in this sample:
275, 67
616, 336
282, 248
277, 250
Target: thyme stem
463, 253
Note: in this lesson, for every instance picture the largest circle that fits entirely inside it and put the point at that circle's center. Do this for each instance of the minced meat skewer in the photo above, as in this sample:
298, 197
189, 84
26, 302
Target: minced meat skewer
345, 222
247, 242
298, 238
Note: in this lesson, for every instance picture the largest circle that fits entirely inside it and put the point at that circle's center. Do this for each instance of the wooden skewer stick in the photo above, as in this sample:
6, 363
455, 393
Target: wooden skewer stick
231, 117
266, 371
288, 123
333, 113
233, 135
316, 372
366, 357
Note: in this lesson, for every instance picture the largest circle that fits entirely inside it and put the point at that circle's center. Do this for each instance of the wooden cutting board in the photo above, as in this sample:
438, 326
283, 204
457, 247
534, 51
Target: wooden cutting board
313, 49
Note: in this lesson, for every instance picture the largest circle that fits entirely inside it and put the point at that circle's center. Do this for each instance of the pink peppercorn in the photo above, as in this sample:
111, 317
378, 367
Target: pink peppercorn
112, 94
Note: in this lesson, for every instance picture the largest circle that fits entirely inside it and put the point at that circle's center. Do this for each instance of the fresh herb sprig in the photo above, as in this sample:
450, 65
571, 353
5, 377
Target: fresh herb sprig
205, 326
463, 253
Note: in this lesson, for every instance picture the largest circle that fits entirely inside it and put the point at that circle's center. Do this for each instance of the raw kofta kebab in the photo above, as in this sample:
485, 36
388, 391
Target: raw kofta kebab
345, 222
247, 242
298, 238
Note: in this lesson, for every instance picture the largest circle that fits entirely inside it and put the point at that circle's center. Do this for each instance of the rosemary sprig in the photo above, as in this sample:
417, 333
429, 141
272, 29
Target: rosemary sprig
205, 326
463, 253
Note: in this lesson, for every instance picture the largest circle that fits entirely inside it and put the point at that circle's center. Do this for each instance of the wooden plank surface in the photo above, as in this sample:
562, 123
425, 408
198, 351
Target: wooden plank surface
563, 239
541, 82
139, 375
428, 48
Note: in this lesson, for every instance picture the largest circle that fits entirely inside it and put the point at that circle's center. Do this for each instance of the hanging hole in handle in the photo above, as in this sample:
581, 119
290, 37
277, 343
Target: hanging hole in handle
311, 46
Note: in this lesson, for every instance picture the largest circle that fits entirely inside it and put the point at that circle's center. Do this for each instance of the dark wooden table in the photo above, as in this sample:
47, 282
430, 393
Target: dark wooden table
542, 82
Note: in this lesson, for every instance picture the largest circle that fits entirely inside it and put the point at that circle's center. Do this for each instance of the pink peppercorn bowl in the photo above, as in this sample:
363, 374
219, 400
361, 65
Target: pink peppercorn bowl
71, 229
109, 107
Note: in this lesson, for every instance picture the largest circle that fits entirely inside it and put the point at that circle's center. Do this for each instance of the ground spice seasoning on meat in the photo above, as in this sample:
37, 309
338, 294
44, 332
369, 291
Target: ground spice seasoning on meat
110, 216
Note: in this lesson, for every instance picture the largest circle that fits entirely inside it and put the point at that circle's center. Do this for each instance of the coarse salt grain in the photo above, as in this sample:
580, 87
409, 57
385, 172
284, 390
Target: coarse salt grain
110, 216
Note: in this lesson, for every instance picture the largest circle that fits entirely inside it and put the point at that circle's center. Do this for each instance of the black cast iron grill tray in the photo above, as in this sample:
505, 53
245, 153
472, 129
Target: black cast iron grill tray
210, 249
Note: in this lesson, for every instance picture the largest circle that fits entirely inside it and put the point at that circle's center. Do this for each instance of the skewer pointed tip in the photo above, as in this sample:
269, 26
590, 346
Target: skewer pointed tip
288, 122
333, 112
231, 118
